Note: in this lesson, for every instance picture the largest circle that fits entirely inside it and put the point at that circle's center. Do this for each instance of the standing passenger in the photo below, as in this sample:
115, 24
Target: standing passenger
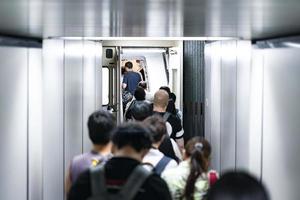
149, 96
123, 176
100, 125
131, 79
190, 180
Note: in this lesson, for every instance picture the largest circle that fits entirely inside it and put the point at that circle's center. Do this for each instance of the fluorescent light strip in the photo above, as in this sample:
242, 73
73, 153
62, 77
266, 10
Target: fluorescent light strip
147, 38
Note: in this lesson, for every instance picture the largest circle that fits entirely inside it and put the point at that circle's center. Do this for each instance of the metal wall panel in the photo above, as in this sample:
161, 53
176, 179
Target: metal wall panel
35, 124
228, 105
242, 103
207, 76
281, 114
73, 99
215, 103
13, 123
53, 119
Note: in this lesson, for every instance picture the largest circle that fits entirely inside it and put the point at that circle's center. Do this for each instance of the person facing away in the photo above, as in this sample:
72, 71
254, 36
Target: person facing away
174, 128
149, 96
131, 79
131, 142
237, 186
139, 96
141, 110
190, 180
100, 125
156, 158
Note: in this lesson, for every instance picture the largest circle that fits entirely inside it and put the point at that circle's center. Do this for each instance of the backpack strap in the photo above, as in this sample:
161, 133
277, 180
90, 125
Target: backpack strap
162, 164
98, 184
166, 116
134, 182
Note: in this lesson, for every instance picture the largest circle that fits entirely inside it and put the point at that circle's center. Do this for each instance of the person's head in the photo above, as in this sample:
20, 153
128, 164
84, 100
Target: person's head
100, 125
173, 97
132, 136
141, 110
157, 127
161, 99
198, 151
139, 94
166, 88
128, 65
143, 84
237, 186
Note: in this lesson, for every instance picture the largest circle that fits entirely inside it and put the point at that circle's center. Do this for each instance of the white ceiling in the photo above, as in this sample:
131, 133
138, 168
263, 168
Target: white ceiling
248, 19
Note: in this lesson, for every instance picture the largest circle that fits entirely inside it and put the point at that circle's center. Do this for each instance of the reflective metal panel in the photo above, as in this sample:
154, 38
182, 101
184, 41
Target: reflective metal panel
13, 123
228, 105
53, 120
281, 114
73, 99
35, 124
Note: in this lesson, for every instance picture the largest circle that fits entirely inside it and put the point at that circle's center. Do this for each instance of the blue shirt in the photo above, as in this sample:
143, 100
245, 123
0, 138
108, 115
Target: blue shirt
131, 79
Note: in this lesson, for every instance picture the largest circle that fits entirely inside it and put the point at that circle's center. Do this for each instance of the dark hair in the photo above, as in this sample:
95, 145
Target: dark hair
157, 127
143, 84
139, 94
199, 150
237, 186
167, 89
141, 110
129, 65
173, 96
100, 124
132, 134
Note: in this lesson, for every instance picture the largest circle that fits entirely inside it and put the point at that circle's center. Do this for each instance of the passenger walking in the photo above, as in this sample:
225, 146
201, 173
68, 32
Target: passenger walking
131, 79
141, 110
149, 96
123, 177
190, 180
139, 96
237, 186
156, 158
100, 124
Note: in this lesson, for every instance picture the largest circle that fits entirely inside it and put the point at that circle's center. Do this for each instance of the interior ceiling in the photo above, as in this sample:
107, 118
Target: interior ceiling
247, 19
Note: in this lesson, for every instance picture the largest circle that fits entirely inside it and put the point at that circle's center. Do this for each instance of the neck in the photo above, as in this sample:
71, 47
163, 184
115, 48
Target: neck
102, 149
156, 145
159, 109
128, 152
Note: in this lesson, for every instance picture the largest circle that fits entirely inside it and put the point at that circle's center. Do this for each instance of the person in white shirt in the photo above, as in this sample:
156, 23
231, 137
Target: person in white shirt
156, 158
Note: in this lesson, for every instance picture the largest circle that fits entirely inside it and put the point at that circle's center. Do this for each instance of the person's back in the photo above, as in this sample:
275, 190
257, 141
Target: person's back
190, 180
130, 143
100, 125
131, 79
237, 186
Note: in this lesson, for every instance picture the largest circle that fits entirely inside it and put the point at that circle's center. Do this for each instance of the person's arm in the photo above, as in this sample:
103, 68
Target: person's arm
180, 143
68, 181
125, 80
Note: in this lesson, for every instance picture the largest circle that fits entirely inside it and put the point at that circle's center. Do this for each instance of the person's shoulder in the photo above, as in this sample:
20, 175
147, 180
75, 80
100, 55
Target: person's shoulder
157, 187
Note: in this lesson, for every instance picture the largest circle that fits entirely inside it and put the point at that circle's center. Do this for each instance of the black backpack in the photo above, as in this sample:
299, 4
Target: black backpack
127, 192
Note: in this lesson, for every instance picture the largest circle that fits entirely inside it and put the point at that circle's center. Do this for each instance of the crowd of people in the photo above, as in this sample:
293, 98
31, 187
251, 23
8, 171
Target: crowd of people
146, 157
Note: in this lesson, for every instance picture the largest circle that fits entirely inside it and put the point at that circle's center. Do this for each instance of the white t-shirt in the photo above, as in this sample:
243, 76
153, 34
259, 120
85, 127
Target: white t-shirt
154, 156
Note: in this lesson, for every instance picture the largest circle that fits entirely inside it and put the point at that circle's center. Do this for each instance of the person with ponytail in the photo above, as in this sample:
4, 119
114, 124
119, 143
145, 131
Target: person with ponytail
191, 179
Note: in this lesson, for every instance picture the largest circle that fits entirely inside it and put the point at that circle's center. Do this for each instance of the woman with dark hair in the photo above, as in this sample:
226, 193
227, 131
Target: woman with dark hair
190, 180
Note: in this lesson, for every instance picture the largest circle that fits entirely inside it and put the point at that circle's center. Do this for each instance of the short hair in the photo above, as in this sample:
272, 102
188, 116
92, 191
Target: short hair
139, 94
237, 186
129, 65
132, 134
157, 127
173, 96
166, 88
161, 98
143, 84
100, 125
141, 110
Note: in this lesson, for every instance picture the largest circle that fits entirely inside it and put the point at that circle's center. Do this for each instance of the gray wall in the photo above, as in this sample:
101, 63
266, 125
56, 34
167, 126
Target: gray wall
71, 91
252, 112
20, 123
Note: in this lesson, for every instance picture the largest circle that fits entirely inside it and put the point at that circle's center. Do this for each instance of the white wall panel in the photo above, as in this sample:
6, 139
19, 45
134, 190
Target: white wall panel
13, 123
53, 119
73, 99
281, 114
35, 124
228, 105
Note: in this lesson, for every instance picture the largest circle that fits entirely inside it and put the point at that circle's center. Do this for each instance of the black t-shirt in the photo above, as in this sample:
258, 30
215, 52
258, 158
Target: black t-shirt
117, 170
175, 122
